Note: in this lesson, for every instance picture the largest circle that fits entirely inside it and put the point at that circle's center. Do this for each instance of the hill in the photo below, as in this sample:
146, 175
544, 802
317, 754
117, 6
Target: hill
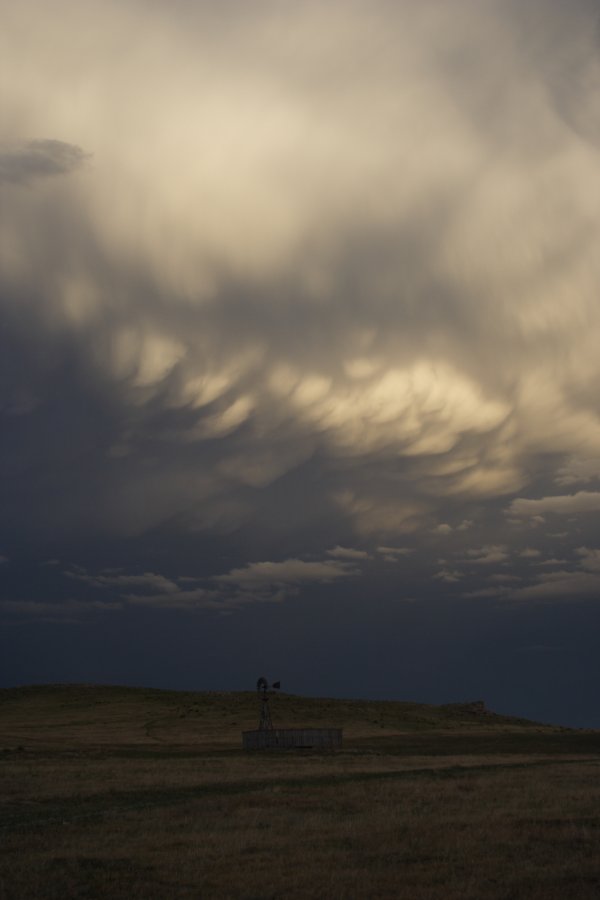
142, 718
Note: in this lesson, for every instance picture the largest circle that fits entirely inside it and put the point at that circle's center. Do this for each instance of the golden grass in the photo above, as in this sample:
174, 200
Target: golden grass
56, 715
145, 820
523, 833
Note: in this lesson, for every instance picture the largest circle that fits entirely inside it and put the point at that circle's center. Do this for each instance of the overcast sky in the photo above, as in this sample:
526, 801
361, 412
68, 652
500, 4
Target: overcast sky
300, 347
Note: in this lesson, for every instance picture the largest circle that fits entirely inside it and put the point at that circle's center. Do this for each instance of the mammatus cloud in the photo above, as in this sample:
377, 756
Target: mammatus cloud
24, 163
294, 288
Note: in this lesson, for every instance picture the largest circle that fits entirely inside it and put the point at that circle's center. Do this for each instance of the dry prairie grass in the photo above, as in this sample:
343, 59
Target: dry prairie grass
532, 832
133, 820
83, 715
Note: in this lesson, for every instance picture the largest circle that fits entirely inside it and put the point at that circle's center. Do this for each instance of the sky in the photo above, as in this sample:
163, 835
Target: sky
299, 356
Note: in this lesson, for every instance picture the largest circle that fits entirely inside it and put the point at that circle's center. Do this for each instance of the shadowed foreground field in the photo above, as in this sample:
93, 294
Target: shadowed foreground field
132, 793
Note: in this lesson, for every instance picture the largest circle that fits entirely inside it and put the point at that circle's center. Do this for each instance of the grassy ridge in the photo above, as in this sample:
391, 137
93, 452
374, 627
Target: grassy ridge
89, 714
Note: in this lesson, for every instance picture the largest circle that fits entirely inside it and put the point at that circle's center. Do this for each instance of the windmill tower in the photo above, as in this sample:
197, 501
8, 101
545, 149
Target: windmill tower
262, 687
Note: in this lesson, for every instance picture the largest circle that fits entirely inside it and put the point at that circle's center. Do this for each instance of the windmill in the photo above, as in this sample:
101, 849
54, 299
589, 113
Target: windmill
262, 687
265, 737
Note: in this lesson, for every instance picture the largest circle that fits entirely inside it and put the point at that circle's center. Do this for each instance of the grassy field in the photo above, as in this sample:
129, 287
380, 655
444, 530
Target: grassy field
143, 794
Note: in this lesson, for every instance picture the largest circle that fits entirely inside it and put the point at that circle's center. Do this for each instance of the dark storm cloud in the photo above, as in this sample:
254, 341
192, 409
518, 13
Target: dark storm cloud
331, 281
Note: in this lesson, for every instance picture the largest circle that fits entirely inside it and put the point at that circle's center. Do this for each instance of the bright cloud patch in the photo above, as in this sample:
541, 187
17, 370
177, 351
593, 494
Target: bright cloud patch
488, 555
290, 571
347, 553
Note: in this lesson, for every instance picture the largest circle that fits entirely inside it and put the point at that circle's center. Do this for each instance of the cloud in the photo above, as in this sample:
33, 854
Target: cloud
185, 600
287, 572
564, 505
23, 163
275, 293
561, 585
395, 551
148, 581
449, 576
444, 528
154, 591
66, 610
530, 553
347, 553
393, 554
590, 559
564, 584
486, 592
578, 471
487, 555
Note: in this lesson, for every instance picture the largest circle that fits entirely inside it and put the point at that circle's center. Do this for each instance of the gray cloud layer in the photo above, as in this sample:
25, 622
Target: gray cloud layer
335, 266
